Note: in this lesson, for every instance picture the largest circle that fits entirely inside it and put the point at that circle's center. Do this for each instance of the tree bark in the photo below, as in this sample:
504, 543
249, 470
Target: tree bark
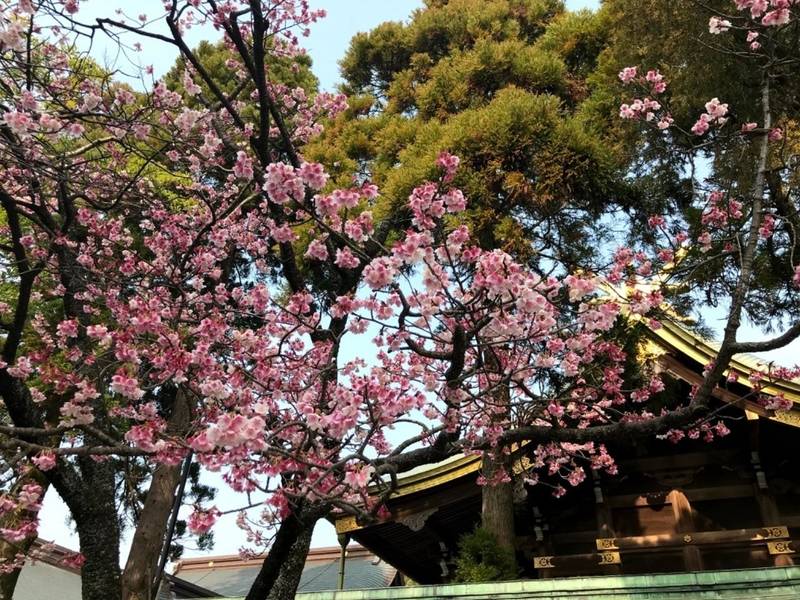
285, 587
497, 503
148, 539
497, 500
95, 513
289, 547
140, 568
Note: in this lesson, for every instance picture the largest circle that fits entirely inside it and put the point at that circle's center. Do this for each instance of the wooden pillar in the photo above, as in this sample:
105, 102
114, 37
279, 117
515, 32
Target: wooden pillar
770, 515
544, 543
605, 520
344, 539
766, 503
684, 523
605, 523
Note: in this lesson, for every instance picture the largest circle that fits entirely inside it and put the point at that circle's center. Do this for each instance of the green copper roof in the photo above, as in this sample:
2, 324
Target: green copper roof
362, 572
780, 583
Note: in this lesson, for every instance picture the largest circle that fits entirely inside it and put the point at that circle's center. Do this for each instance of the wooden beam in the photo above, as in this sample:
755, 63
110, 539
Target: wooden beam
791, 521
677, 369
767, 505
574, 537
577, 562
414, 565
404, 507
698, 538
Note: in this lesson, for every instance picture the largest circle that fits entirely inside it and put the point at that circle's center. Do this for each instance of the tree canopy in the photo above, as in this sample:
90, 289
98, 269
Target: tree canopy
499, 84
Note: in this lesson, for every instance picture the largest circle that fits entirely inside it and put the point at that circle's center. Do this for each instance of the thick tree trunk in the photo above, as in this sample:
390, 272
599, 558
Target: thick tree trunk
137, 578
497, 504
8, 551
290, 546
285, 587
148, 540
96, 518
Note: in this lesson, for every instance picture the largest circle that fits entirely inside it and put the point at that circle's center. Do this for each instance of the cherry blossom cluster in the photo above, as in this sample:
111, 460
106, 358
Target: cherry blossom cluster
646, 109
772, 13
759, 18
714, 115
24, 504
553, 464
768, 13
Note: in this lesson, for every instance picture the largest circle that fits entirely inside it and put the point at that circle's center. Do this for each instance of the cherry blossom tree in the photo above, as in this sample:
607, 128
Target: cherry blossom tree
162, 252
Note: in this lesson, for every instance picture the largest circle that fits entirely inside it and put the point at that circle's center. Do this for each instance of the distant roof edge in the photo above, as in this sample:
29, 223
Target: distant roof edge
52, 554
181, 585
235, 561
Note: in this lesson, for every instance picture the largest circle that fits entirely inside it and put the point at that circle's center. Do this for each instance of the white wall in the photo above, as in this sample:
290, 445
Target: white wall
41, 581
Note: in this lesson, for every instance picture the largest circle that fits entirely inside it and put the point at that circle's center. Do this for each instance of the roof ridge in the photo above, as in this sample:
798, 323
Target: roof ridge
235, 560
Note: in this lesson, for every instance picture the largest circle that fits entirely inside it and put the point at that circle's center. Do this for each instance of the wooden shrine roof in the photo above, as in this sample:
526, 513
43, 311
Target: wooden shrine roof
679, 342
443, 494
673, 344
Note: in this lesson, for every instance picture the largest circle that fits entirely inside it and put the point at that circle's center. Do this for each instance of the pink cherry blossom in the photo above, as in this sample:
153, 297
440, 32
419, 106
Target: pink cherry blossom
201, 521
44, 461
346, 259
449, 163
313, 175
68, 328
379, 273
702, 125
717, 25
243, 169
628, 74
317, 250
716, 109
74, 561
126, 386
20, 123
780, 16
12, 37
22, 368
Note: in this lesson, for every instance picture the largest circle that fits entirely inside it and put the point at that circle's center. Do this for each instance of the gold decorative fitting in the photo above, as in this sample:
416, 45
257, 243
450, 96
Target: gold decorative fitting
521, 465
607, 544
782, 547
687, 538
543, 562
773, 533
347, 524
610, 558
790, 417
